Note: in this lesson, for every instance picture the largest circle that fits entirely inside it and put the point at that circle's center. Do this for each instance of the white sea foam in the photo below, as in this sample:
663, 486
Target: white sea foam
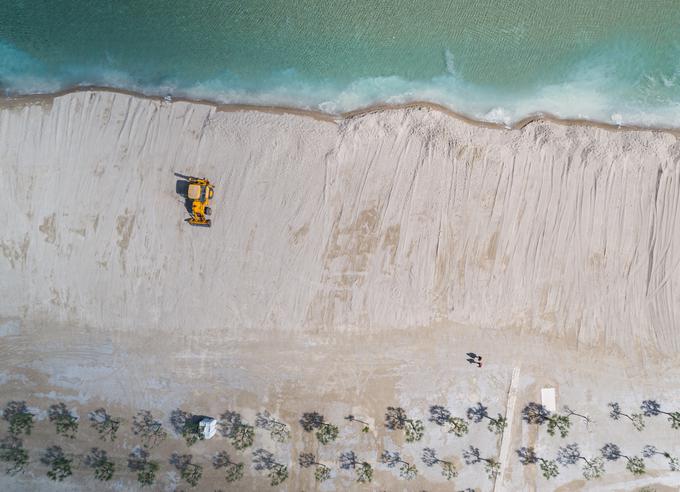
589, 93
450, 62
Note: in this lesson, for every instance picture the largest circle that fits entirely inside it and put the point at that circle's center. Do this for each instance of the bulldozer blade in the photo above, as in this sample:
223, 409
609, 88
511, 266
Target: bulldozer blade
207, 223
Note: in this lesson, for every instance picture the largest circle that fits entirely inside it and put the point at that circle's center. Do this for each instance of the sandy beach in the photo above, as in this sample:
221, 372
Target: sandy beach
352, 263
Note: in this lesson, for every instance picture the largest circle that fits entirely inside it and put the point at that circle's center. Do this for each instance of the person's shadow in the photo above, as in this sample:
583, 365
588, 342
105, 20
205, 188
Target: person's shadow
182, 189
473, 358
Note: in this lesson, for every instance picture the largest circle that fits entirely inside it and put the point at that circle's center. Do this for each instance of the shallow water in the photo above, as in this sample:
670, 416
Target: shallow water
613, 61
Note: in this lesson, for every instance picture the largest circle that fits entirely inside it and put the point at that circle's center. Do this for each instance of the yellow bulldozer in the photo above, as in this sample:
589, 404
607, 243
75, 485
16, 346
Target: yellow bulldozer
199, 193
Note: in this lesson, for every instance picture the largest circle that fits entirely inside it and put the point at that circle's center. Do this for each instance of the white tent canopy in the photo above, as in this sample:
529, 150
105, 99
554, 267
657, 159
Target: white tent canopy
207, 427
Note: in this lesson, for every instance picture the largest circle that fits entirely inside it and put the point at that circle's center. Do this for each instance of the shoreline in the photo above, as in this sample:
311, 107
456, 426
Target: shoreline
29, 99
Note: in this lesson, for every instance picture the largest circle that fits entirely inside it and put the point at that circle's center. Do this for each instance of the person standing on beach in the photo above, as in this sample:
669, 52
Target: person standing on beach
474, 359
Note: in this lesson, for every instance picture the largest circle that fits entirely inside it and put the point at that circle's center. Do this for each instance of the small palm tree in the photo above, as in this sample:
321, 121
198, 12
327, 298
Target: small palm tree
66, 424
634, 464
396, 419
241, 433
19, 418
431, 459
325, 432
105, 425
650, 451
233, 471
527, 456
148, 429
637, 419
479, 412
362, 469
190, 472
393, 459
571, 454
278, 431
138, 461
13, 453
186, 425
535, 413
321, 471
276, 472
99, 461
442, 417
652, 408
364, 425
59, 463
473, 456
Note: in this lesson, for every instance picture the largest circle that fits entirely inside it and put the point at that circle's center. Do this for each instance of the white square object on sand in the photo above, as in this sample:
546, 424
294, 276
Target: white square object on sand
208, 427
548, 398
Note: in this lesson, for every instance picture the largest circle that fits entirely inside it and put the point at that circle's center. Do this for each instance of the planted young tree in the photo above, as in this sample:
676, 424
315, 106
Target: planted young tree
396, 419
637, 419
103, 467
527, 456
431, 459
19, 418
65, 423
233, 427
186, 425
364, 425
393, 459
442, 417
652, 408
190, 472
321, 471
105, 425
479, 412
12, 453
472, 456
59, 463
138, 461
278, 431
325, 432
362, 469
571, 454
535, 413
634, 464
651, 451
149, 429
232, 471
264, 461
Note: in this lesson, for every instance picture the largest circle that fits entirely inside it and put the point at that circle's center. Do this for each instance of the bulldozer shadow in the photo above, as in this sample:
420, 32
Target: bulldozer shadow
182, 189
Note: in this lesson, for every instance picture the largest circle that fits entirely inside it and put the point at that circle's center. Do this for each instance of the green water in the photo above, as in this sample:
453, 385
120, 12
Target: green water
495, 60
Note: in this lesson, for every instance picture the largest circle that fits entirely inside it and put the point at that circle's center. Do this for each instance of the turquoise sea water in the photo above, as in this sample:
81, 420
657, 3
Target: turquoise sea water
615, 61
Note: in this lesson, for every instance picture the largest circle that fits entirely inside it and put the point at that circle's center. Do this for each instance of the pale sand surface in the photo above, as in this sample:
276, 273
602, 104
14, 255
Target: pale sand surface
350, 266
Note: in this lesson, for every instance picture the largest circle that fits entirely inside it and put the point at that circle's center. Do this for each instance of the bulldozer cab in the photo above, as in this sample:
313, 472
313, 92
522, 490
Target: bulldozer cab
194, 192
